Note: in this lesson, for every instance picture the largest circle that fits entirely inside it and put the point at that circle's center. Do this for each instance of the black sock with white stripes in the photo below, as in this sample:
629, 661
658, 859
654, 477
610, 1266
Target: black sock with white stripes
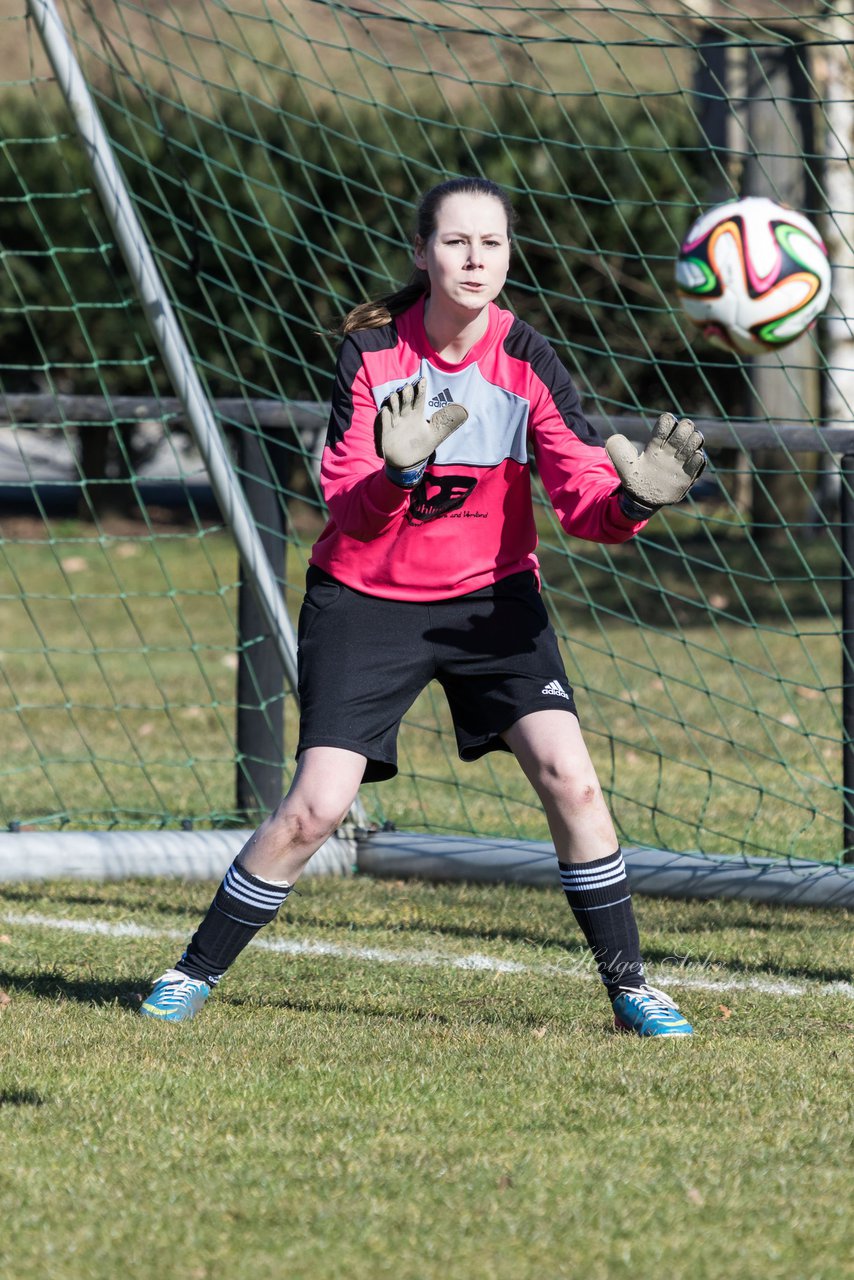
243, 904
598, 893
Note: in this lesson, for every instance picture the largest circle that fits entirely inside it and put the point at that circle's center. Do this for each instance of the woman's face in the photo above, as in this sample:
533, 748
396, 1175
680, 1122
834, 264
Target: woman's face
468, 255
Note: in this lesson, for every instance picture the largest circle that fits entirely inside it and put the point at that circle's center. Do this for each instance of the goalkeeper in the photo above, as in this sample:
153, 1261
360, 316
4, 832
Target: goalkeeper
426, 570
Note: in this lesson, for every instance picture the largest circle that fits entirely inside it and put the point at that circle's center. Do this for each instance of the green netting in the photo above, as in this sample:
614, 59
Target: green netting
274, 154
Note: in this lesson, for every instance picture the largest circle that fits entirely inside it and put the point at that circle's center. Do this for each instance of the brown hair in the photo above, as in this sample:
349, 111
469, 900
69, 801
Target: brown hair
379, 311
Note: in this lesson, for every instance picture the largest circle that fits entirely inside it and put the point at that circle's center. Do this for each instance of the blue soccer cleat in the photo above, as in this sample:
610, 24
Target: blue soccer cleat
648, 1012
175, 997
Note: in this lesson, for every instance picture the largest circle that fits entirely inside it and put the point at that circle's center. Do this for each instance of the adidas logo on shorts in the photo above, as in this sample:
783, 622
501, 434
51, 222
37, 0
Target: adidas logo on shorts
556, 690
444, 397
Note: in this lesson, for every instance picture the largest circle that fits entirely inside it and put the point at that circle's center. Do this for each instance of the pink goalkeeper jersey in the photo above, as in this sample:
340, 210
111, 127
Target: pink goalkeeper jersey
470, 522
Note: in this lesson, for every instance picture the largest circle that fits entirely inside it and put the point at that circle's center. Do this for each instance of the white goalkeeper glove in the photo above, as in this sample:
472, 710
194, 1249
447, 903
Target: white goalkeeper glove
663, 472
405, 439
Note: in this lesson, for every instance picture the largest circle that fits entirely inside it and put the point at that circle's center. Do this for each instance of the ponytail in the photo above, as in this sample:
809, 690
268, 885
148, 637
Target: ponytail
380, 311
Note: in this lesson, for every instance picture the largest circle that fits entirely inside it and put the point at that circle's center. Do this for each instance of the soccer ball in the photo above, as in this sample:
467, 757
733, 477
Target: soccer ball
752, 275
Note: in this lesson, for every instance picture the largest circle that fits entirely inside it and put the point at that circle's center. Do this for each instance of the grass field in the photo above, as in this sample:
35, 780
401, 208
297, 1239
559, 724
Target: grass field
420, 1082
405, 1080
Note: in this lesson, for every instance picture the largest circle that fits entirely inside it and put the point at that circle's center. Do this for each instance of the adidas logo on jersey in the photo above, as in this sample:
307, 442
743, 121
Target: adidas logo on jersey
444, 397
556, 690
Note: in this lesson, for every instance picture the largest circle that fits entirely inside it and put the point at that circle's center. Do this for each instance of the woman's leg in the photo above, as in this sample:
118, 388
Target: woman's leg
325, 785
261, 877
554, 758
551, 750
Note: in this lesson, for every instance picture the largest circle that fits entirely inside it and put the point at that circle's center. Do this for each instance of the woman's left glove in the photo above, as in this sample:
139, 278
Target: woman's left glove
405, 439
663, 472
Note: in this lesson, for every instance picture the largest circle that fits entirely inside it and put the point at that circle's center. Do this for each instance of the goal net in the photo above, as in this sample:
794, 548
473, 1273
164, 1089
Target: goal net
273, 155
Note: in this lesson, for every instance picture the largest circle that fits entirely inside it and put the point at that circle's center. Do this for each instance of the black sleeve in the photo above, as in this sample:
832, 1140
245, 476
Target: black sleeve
524, 343
347, 365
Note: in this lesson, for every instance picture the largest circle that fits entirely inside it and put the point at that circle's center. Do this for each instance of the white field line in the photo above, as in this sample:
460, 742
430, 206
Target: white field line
683, 974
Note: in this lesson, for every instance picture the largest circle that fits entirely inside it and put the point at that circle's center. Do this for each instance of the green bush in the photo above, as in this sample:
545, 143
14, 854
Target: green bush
268, 221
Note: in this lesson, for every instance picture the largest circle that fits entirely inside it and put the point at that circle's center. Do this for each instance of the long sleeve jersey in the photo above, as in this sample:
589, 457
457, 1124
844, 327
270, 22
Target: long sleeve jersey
470, 522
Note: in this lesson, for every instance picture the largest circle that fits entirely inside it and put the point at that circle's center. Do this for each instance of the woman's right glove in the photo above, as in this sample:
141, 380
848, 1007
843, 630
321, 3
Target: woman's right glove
405, 439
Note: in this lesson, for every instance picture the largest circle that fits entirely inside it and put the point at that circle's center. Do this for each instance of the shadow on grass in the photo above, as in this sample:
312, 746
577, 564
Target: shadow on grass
195, 898
774, 925
21, 1098
91, 991
489, 1010
695, 964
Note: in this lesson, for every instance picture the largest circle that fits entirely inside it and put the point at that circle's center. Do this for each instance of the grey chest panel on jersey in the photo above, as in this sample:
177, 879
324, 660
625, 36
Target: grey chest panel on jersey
497, 425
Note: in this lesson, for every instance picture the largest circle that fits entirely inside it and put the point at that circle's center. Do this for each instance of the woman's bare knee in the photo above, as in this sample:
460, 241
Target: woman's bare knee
322, 792
554, 782
303, 822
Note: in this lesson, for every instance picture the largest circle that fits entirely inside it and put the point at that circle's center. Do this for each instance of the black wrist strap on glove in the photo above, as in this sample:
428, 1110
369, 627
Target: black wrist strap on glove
406, 478
632, 509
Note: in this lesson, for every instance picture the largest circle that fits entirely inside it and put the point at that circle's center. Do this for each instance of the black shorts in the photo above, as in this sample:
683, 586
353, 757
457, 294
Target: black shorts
363, 661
